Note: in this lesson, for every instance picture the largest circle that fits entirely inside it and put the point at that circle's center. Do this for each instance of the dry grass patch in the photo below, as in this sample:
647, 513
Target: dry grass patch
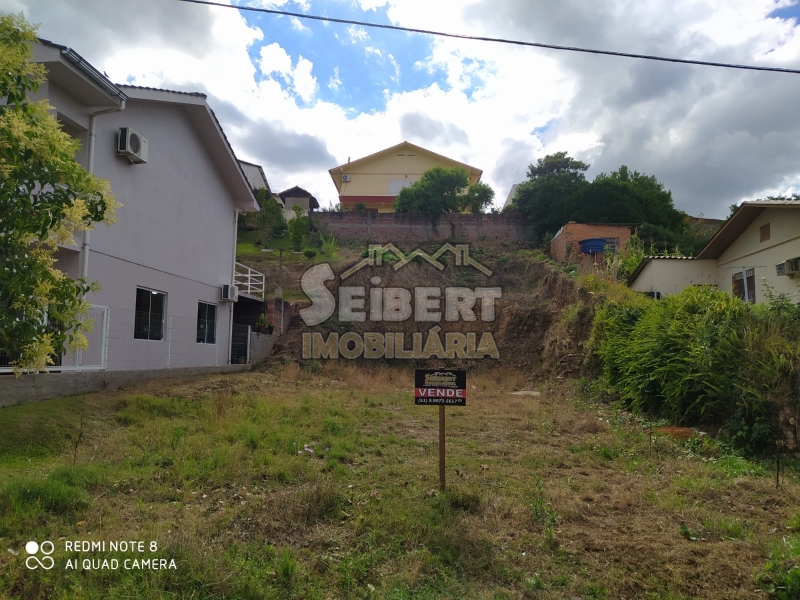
320, 481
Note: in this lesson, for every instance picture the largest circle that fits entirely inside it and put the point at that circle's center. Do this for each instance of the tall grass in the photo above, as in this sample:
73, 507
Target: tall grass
703, 357
330, 246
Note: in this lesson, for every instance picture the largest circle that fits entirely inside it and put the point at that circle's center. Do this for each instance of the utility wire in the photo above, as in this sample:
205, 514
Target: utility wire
684, 61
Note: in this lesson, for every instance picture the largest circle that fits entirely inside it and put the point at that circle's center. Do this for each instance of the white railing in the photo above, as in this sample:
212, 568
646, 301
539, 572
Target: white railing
94, 357
249, 281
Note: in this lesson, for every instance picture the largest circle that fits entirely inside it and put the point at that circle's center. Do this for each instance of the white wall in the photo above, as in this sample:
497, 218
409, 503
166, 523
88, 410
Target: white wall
670, 275
175, 234
748, 252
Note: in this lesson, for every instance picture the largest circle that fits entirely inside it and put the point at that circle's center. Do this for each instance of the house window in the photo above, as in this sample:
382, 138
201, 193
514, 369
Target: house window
739, 282
149, 320
206, 323
764, 232
396, 185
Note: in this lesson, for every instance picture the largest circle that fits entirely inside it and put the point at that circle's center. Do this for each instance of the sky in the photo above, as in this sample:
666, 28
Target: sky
300, 97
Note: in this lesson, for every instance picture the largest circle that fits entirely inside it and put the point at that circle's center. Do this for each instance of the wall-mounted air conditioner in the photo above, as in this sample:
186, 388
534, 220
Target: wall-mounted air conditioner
229, 293
792, 265
132, 145
345, 178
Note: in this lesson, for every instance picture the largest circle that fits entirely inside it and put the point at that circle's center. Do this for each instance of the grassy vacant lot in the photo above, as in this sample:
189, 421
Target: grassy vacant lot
321, 482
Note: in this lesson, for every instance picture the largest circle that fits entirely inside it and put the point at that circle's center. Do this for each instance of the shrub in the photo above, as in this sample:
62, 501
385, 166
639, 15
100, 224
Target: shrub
309, 253
702, 357
298, 228
329, 246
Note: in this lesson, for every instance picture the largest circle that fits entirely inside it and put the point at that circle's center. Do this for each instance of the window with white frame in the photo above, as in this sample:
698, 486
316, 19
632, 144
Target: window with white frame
150, 310
206, 323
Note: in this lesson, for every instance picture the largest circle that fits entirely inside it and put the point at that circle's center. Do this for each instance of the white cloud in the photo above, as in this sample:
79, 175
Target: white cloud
396, 67
335, 81
305, 84
372, 4
298, 25
274, 59
357, 34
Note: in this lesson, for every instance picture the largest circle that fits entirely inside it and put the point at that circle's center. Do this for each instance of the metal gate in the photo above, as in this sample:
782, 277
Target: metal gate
240, 344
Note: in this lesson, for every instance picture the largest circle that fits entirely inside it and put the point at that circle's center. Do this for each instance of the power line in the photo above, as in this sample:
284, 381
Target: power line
684, 61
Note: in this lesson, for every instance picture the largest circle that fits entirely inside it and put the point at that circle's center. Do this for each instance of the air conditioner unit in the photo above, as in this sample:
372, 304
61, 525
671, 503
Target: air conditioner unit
229, 293
345, 178
792, 266
132, 145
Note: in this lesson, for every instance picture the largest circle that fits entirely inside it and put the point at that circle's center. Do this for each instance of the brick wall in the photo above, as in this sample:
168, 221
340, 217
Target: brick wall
408, 227
573, 233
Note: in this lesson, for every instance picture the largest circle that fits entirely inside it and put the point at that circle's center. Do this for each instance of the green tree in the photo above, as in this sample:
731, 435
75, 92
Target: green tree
45, 198
478, 198
441, 190
270, 218
298, 228
557, 192
552, 192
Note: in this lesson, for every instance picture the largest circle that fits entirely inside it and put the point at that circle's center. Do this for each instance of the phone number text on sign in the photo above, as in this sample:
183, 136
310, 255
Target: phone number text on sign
439, 401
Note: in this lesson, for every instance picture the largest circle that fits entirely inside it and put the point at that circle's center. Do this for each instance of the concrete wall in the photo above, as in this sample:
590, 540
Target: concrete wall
566, 242
260, 347
671, 275
414, 228
748, 252
32, 388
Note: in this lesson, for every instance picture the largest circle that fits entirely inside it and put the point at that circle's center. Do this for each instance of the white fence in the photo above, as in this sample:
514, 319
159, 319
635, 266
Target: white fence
177, 344
92, 359
114, 346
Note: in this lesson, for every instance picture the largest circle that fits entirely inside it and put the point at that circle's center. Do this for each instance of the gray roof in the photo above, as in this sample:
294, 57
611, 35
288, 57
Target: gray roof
154, 89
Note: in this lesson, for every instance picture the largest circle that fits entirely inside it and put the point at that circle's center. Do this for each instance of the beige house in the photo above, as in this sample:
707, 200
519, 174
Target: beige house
759, 244
376, 179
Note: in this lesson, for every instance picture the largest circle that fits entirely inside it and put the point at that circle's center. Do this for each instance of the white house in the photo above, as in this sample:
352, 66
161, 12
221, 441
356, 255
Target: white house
758, 244
168, 266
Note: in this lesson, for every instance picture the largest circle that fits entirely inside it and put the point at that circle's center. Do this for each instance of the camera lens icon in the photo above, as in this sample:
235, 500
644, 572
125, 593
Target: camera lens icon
33, 561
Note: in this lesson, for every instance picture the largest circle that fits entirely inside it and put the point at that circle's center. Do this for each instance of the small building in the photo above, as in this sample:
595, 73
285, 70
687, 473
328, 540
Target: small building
375, 180
758, 244
511, 195
255, 175
297, 196
566, 243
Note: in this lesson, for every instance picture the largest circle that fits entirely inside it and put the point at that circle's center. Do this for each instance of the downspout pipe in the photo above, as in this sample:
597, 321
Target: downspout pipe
84, 268
233, 279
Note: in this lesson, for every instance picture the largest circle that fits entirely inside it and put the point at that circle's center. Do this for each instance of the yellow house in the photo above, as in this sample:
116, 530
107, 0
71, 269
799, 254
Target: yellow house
376, 179
758, 244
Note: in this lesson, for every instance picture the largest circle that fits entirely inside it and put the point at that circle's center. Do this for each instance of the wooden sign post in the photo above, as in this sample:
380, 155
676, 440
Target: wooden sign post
440, 388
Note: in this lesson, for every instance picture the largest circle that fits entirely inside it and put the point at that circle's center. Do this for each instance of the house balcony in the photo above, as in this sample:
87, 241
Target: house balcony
249, 282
